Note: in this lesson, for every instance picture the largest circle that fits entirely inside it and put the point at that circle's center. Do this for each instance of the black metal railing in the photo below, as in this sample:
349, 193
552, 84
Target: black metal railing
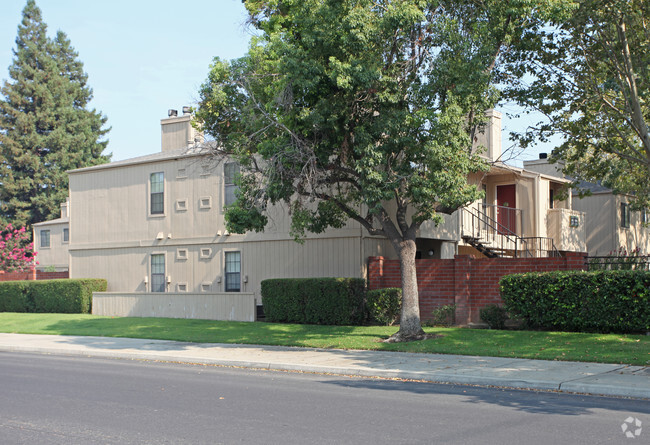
477, 225
613, 262
541, 247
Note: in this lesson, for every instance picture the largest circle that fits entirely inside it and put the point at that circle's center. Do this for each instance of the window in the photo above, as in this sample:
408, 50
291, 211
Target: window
230, 172
158, 272
574, 221
66, 235
645, 218
233, 271
157, 194
551, 199
205, 287
181, 254
182, 287
625, 215
45, 238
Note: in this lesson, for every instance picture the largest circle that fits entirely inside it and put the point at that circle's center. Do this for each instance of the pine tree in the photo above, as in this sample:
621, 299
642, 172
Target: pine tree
46, 127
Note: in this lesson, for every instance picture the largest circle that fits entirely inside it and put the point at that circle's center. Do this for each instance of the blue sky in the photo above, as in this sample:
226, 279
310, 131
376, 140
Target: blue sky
144, 57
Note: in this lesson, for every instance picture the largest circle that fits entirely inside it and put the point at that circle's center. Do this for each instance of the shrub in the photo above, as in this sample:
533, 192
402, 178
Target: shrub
331, 301
14, 297
444, 315
601, 301
72, 296
384, 305
494, 315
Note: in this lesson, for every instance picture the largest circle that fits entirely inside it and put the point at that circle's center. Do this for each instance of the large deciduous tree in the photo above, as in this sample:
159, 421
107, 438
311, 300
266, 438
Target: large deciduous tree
590, 76
361, 110
46, 127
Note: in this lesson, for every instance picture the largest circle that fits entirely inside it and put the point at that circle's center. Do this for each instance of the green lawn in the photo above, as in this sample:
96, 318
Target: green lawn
604, 348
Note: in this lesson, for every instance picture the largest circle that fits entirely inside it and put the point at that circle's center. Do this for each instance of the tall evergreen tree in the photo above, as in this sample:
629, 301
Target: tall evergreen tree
46, 127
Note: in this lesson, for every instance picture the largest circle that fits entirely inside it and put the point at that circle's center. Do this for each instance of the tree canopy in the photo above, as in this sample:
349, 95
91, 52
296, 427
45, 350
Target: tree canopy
46, 127
362, 110
589, 74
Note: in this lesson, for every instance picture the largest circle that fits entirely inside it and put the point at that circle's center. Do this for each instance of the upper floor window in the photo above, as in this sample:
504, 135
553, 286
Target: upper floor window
625, 215
157, 193
230, 173
66, 235
551, 199
645, 217
45, 238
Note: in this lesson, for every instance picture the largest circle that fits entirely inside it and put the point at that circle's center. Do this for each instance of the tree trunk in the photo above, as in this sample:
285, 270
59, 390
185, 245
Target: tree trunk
410, 327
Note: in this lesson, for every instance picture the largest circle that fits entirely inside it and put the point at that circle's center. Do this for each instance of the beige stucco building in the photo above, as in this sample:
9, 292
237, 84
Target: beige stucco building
154, 228
51, 241
610, 223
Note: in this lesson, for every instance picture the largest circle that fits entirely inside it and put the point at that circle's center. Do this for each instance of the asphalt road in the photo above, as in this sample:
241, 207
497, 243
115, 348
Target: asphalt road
48, 399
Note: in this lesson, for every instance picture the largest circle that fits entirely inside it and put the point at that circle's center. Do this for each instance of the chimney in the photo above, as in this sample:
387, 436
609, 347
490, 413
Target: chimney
177, 131
65, 208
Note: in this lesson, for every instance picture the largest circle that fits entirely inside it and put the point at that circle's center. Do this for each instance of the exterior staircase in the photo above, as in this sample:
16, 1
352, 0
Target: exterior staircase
494, 240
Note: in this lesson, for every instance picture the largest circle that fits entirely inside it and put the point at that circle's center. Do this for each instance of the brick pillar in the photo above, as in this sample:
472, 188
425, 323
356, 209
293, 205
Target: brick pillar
575, 261
462, 288
375, 272
33, 274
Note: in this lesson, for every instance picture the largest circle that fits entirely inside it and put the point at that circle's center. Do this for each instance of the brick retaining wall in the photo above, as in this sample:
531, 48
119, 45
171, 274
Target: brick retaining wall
470, 283
32, 275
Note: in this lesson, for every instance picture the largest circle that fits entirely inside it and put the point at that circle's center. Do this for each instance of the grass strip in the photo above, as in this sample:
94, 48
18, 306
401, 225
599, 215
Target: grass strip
570, 346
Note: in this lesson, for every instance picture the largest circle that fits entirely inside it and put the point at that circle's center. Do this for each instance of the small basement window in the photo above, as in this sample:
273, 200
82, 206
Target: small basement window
181, 287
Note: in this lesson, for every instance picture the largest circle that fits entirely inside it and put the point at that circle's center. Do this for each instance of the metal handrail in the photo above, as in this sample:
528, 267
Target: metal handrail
542, 244
487, 228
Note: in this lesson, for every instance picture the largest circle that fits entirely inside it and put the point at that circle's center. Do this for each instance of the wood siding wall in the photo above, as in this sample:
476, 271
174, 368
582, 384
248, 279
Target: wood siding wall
113, 233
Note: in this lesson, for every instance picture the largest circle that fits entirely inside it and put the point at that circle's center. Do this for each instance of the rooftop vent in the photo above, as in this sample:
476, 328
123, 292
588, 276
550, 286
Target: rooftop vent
187, 110
172, 113
543, 155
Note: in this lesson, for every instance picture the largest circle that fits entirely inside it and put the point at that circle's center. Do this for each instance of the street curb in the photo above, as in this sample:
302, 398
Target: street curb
572, 386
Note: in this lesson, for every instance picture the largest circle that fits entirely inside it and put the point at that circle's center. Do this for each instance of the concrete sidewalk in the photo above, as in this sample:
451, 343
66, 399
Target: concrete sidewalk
588, 378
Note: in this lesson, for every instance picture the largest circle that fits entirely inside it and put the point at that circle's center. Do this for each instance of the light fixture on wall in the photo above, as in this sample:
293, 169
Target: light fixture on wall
160, 236
430, 252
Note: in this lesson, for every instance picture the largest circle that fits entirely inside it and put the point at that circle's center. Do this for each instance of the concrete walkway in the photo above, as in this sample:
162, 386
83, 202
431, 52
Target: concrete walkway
587, 378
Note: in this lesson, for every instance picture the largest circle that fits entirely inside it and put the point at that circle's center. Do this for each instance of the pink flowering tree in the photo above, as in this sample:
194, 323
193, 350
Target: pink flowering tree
16, 251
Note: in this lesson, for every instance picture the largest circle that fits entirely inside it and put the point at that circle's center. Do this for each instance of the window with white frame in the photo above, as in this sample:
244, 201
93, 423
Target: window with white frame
158, 272
230, 173
66, 235
233, 271
157, 187
45, 238
625, 215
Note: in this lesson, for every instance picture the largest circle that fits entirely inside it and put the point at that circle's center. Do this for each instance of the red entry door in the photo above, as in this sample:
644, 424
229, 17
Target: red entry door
506, 200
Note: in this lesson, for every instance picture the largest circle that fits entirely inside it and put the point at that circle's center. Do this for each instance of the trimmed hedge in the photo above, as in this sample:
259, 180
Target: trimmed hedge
384, 305
602, 301
330, 301
69, 296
